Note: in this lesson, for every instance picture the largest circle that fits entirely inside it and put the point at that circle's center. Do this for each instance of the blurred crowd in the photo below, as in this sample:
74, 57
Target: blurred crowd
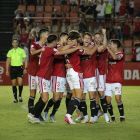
104, 12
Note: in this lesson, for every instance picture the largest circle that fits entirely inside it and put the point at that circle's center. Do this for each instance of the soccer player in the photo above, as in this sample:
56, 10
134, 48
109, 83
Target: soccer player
44, 75
35, 50
58, 78
15, 57
114, 78
90, 79
75, 77
101, 77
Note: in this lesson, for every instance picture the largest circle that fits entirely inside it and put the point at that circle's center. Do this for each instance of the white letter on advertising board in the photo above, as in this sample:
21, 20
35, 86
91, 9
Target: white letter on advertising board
1, 70
127, 74
135, 74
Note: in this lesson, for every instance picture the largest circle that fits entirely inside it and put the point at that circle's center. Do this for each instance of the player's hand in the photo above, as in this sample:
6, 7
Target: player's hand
104, 31
25, 71
7, 73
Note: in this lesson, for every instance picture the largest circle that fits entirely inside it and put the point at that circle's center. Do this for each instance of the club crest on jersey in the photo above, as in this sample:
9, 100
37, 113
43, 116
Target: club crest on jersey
92, 83
117, 88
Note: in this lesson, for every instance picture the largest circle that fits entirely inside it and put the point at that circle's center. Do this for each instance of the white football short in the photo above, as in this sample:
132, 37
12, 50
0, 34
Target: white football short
43, 85
89, 84
111, 88
75, 79
67, 88
58, 84
32, 82
97, 76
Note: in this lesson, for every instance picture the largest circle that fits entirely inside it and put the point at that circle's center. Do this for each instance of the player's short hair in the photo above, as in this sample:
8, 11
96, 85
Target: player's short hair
15, 39
82, 31
136, 44
63, 34
89, 34
97, 33
51, 38
73, 35
22, 44
116, 42
42, 31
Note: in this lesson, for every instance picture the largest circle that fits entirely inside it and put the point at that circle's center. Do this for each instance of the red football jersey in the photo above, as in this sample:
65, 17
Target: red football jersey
74, 60
101, 61
137, 26
59, 65
122, 10
126, 29
115, 69
134, 56
34, 59
46, 62
24, 38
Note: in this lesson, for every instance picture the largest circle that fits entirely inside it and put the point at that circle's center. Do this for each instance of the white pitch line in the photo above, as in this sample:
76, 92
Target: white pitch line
25, 107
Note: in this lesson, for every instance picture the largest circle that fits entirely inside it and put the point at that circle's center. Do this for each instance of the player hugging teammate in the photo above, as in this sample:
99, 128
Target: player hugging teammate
85, 73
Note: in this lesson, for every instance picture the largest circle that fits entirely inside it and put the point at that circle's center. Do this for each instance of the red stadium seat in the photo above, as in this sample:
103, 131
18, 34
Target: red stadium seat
31, 7
127, 43
22, 7
48, 8
47, 1
128, 57
73, 15
136, 8
121, 49
128, 50
38, 21
55, 34
39, 8
39, 15
58, 8
67, 14
47, 21
137, 1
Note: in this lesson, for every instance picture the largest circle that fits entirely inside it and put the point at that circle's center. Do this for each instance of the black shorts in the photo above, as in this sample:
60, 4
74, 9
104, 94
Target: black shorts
16, 71
108, 16
64, 2
131, 11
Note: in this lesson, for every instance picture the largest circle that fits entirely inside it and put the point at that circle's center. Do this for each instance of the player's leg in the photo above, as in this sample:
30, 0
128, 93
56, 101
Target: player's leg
32, 87
13, 76
68, 98
44, 90
14, 88
108, 94
20, 82
101, 88
118, 93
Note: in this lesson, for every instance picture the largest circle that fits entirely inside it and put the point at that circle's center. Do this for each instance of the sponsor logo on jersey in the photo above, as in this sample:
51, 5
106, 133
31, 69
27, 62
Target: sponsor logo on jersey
32, 46
92, 83
111, 63
57, 88
58, 84
33, 85
117, 88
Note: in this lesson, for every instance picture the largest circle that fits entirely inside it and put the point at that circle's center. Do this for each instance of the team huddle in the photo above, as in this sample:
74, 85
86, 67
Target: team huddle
75, 65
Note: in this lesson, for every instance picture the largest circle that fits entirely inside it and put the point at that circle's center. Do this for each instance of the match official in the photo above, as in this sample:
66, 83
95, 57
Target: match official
15, 57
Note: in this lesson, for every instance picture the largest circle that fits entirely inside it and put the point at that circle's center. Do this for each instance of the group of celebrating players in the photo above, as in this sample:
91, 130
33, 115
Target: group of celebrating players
75, 65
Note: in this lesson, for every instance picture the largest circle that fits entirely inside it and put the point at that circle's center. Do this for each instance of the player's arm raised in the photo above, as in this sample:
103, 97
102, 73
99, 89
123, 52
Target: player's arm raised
62, 48
33, 51
90, 51
68, 51
114, 56
102, 47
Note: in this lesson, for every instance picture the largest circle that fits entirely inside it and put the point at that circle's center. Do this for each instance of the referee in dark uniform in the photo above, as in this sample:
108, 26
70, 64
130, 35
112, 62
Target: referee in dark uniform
15, 56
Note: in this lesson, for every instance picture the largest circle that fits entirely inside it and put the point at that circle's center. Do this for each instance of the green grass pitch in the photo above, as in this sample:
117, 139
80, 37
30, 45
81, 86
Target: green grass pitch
14, 123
